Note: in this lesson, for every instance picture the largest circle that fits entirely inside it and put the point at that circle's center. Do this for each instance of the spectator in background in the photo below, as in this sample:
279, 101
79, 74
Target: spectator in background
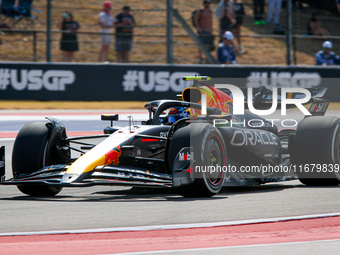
227, 50
239, 13
326, 57
314, 26
299, 2
258, 6
105, 23
274, 9
227, 20
338, 5
69, 41
219, 11
124, 23
204, 24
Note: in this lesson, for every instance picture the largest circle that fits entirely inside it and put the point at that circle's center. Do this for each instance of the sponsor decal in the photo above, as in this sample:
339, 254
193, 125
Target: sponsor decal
163, 134
112, 157
319, 107
132, 175
283, 79
157, 81
190, 170
185, 156
245, 138
35, 79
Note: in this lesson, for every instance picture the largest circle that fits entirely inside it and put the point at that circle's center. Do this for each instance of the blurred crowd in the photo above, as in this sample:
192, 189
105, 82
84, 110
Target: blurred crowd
117, 29
231, 14
122, 26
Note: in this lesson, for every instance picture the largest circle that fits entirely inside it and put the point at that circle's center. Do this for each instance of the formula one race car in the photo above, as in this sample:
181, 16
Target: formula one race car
193, 146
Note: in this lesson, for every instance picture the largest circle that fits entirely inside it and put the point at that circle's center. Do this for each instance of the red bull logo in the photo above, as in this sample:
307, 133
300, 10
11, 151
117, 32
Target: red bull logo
215, 98
218, 99
112, 157
226, 106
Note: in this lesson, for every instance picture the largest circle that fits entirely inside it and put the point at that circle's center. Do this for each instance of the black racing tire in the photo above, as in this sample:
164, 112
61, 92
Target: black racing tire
209, 150
317, 142
30, 153
179, 140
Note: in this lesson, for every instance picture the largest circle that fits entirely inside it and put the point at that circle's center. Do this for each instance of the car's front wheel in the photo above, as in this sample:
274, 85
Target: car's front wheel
31, 151
209, 158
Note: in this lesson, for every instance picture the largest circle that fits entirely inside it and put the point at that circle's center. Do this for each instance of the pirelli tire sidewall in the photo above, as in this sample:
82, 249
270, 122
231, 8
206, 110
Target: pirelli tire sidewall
316, 143
210, 156
208, 149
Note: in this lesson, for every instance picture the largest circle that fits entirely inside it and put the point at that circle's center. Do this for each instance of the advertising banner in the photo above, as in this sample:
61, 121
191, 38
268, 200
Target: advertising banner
114, 82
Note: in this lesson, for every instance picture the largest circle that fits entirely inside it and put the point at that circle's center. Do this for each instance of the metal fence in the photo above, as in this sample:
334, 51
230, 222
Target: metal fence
26, 41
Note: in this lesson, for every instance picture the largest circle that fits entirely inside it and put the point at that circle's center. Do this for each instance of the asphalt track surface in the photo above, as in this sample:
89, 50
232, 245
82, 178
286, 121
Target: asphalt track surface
110, 212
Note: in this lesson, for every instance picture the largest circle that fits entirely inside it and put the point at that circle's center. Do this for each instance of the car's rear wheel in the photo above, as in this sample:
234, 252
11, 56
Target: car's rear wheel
31, 151
209, 158
315, 151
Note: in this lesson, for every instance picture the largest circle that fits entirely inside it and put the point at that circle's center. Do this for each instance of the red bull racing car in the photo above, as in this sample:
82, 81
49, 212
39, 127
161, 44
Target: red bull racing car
180, 147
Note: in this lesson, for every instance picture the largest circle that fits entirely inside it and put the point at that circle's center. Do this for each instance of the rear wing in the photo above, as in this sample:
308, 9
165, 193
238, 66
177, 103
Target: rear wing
265, 96
319, 106
262, 98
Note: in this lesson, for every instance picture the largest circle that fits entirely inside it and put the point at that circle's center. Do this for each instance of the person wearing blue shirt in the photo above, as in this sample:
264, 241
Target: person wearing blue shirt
226, 52
326, 57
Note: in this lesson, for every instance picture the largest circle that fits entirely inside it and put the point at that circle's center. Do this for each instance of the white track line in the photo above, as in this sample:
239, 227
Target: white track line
90, 117
6, 139
174, 226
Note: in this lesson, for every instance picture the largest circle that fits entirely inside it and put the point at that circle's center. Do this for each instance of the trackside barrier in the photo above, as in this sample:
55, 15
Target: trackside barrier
132, 82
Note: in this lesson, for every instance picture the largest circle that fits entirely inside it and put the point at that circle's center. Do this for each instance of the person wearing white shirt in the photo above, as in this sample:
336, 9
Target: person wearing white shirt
106, 24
